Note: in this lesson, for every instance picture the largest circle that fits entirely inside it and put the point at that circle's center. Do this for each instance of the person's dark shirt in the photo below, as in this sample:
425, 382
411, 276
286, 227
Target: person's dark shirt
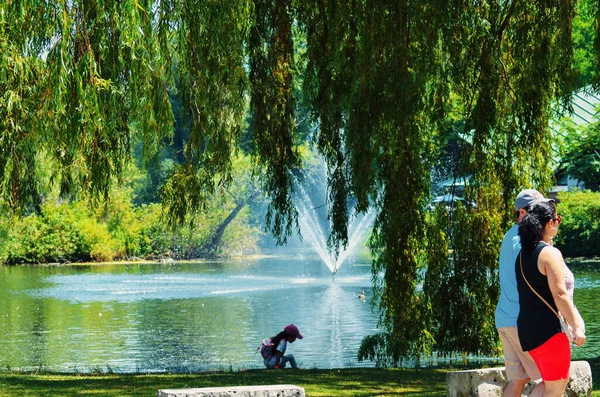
536, 322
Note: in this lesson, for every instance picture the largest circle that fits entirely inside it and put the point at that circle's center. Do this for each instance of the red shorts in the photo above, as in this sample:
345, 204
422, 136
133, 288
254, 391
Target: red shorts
553, 358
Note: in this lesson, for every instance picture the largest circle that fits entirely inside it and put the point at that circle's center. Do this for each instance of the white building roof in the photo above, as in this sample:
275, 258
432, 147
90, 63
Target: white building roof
585, 107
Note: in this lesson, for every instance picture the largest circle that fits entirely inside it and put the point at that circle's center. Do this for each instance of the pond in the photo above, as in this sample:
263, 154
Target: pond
199, 316
182, 316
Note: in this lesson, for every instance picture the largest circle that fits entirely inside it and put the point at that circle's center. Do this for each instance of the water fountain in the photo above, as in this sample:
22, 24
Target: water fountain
314, 225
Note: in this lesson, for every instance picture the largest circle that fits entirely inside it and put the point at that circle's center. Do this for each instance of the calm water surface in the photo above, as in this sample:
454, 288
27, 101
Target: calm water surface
181, 316
200, 316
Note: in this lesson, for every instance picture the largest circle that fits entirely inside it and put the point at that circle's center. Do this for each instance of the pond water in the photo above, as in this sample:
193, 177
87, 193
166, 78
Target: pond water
181, 316
199, 316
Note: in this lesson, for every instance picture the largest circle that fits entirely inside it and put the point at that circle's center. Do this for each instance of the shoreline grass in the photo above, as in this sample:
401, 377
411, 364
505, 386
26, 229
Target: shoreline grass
362, 382
346, 382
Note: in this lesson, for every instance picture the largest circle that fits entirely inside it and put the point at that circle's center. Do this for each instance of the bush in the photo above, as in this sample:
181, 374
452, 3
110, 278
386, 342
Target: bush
579, 231
158, 240
61, 233
118, 229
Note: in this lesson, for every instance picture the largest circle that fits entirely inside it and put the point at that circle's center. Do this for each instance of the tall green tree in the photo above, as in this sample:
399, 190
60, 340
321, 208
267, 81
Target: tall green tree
581, 157
384, 80
583, 37
78, 80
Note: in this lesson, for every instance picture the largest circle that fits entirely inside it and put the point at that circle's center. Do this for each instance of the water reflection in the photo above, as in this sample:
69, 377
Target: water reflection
192, 316
198, 316
587, 283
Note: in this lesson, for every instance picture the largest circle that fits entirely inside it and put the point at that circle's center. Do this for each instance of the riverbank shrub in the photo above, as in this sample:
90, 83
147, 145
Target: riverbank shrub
75, 232
60, 233
579, 231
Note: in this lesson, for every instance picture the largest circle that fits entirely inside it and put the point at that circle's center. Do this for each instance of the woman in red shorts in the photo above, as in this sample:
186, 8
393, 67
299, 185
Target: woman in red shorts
541, 268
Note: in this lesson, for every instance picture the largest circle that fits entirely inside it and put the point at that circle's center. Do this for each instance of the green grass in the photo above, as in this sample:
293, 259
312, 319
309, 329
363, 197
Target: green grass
317, 383
356, 382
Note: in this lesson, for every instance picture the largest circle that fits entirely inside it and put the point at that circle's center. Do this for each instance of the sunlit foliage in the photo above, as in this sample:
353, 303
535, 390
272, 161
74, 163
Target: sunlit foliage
386, 82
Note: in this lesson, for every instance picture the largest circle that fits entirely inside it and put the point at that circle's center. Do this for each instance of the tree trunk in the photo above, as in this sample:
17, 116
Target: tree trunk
211, 247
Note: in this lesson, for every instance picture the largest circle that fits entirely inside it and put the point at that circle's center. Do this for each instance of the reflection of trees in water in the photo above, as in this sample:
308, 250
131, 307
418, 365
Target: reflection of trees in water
23, 319
205, 332
39, 335
586, 299
42, 332
191, 334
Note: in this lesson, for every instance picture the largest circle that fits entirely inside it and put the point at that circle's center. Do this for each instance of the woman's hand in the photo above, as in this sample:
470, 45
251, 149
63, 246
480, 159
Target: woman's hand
578, 336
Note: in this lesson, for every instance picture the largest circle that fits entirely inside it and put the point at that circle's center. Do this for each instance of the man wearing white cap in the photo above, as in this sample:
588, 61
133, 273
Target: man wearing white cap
520, 367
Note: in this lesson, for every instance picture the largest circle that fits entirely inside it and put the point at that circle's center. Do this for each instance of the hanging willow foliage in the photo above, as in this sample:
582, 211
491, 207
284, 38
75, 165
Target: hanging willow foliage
272, 105
382, 77
386, 82
77, 79
22, 84
596, 7
522, 66
210, 44
106, 82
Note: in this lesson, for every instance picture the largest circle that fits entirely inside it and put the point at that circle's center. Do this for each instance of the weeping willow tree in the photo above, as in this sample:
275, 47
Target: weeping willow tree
79, 81
384, 78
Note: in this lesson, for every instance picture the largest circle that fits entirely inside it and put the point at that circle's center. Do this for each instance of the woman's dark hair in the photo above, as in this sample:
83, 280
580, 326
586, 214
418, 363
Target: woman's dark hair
531, 227
277, 338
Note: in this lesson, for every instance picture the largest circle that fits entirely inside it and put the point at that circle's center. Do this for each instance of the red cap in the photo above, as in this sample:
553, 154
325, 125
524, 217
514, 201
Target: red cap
292, 330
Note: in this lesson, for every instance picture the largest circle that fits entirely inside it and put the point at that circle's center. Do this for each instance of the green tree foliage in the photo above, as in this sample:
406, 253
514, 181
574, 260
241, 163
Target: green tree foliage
79, 79
272, 106
380, 81
386, 82
61, 233
581, 158
213, 85
580, 229
74, 231
595, 8
583, 37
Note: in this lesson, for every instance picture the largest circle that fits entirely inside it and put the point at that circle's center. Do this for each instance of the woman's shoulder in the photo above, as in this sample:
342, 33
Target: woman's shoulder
549, 249
551, 255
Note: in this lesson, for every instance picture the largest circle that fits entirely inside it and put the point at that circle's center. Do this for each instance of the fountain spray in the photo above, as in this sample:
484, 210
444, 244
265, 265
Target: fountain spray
312, 227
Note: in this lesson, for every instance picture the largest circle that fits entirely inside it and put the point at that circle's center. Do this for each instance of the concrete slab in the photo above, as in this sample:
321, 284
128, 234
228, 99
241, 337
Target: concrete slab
236, 391
488, 382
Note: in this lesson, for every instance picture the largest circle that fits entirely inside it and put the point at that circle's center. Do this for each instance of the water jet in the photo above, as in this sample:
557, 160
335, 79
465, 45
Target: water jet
315, 224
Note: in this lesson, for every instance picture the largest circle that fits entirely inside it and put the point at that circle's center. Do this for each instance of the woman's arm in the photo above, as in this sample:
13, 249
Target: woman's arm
551, 263
277, 359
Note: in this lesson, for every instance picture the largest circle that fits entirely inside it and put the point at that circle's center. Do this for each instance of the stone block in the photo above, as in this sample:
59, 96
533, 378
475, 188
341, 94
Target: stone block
236, 391
485, 382
580, 380
488, 382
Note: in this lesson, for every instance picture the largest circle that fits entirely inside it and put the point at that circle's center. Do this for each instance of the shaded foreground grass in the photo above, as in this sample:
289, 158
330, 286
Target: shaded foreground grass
364, 382
355, 382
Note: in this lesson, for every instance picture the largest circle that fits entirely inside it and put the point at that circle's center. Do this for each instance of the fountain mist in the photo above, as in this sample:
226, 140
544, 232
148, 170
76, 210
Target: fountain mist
314, 224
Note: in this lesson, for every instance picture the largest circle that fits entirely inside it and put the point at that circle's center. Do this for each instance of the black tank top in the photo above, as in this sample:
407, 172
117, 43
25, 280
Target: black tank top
536, 322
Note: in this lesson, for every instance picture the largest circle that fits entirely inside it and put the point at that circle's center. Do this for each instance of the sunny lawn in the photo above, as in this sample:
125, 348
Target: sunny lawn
354, 382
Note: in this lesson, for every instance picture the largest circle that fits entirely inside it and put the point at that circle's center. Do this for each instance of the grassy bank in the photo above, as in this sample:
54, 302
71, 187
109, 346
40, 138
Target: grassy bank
317, 383
359, 382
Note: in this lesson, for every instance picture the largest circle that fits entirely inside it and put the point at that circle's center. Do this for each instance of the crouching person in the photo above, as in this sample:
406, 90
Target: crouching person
273, 349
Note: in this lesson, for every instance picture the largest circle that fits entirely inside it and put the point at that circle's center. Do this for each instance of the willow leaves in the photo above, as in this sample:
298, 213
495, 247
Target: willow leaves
387, 84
